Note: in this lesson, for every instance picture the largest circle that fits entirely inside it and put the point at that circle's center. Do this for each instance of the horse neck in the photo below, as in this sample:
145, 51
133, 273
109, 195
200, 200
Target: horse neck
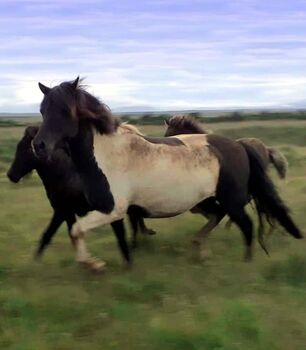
60, 172
90, 143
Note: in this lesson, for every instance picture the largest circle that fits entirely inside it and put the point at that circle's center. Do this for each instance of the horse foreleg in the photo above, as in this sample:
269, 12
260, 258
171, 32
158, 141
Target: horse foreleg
70, 220
79, 230
48, 234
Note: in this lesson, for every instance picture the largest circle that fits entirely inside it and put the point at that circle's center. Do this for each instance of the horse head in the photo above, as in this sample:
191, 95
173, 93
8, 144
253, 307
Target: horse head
63, 108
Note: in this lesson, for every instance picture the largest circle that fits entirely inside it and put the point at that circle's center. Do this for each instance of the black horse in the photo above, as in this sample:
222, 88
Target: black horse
164, 177
64, 189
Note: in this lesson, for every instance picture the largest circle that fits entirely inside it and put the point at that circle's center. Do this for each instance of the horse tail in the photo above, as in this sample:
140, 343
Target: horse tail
279, 162
266, 195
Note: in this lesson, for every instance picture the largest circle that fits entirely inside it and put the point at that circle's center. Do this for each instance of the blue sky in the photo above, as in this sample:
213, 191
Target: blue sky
168, 54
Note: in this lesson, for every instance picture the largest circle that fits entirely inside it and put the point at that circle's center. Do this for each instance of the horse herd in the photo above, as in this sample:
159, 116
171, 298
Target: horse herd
99, 169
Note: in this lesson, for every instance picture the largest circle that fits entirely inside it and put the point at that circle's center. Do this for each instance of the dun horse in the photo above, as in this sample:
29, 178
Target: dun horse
163, 177
64, 189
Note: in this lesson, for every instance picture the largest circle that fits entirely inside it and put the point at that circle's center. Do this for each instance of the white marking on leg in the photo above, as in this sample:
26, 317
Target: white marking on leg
79, 229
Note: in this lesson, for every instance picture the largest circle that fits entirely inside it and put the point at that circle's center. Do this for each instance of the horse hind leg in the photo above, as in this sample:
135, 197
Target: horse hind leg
119, 230
214, 213
243, 221
201, 237
136, 217
144, 229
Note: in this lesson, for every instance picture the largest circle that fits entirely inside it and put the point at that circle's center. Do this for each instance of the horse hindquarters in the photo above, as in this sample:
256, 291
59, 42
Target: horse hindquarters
266, 196
233, 185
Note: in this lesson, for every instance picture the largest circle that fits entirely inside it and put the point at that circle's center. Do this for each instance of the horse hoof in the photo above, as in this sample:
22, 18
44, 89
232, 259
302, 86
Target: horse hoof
128, 265
248, 257
200, 253
37, 256
134, 245
94, 264
205, 254
149, 232
196, 243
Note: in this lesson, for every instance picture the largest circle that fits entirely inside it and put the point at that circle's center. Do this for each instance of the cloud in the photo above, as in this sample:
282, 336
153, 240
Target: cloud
160, 53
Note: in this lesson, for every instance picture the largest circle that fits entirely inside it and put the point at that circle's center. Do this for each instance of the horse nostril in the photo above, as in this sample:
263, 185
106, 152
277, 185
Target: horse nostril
39, 148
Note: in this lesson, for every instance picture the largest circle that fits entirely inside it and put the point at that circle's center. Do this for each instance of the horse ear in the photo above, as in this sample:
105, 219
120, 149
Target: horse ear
43, 88
31, 131
166, 122
75, 83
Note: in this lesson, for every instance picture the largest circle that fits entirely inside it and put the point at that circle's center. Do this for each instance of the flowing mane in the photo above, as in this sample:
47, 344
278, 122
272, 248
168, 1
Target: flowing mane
126, 128
73, 97
186, 124
97, 112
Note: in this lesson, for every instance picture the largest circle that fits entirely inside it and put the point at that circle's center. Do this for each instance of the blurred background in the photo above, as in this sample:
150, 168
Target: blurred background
236, 66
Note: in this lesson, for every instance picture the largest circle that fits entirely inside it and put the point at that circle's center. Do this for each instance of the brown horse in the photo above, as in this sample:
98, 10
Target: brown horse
177, 125
163, 177
187, 125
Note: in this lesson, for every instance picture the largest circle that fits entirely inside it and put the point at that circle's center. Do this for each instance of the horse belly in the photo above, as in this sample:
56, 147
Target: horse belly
162, 195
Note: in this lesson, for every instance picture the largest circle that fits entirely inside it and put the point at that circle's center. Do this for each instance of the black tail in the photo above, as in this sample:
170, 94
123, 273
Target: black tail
266, 196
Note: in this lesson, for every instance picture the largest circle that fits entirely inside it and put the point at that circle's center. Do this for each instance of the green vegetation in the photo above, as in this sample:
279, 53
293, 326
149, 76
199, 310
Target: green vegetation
156, 118
207, 117
168, 300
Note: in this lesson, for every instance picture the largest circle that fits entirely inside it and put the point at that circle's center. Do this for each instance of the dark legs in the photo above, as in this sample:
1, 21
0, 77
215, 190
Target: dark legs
137, 221
70, 220
144, 229
134, 225
119, 230
202, 235
245, 224
50, 231
214, 213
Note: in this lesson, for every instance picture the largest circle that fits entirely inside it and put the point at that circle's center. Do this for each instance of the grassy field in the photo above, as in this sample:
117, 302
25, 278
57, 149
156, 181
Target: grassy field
168, 300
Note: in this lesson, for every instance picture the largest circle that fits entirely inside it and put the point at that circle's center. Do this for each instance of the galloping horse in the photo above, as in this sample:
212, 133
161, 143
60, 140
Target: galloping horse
178, 125
163, 177
64, 189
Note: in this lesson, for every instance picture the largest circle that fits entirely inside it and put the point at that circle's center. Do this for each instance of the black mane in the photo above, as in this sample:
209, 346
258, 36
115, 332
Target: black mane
83, 105
186, 125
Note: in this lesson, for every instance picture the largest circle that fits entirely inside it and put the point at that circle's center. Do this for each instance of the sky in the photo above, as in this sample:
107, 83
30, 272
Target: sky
163, 54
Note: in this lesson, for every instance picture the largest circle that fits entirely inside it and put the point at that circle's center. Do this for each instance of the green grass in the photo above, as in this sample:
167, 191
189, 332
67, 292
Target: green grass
168, 300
